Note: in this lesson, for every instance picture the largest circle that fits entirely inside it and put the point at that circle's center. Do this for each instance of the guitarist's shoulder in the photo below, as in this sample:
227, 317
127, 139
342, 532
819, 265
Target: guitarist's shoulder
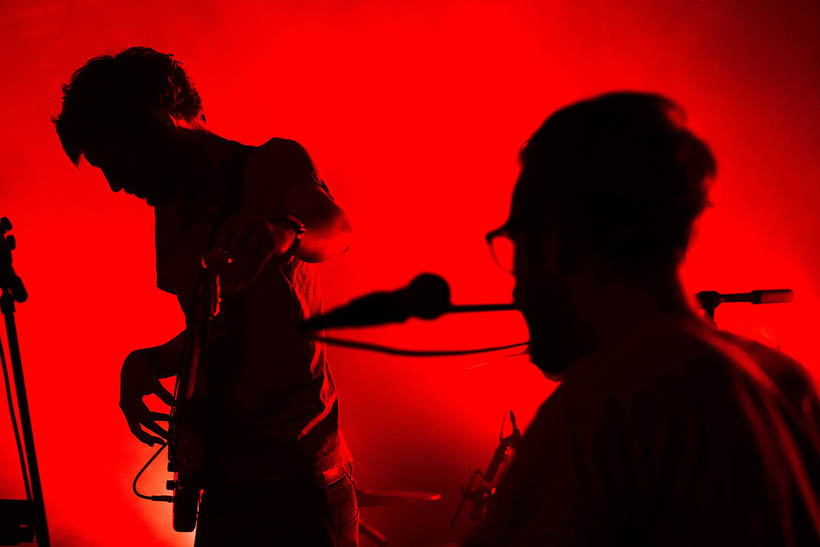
281, 154
274, 168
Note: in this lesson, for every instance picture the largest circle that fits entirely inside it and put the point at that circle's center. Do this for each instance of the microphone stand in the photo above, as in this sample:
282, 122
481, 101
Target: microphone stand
20, 520
479, 494
710, 300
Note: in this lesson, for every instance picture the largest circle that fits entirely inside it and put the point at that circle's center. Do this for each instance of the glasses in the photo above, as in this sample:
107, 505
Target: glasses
502, 248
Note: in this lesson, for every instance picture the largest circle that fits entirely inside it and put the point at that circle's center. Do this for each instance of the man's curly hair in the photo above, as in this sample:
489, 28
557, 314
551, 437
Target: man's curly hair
125, 93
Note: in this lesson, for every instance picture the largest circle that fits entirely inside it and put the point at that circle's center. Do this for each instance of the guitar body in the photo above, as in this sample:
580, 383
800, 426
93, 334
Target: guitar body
186, 461
189, 413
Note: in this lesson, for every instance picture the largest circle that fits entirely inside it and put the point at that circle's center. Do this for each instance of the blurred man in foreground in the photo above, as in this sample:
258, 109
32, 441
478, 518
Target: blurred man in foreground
664, 430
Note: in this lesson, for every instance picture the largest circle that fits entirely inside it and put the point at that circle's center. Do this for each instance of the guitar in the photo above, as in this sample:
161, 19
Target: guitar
186, 435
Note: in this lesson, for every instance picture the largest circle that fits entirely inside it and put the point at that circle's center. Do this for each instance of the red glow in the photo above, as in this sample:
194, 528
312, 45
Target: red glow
414, 116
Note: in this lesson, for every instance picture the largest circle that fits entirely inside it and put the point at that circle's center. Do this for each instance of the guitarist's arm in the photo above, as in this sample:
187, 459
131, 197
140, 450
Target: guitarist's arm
281, 182
140, 376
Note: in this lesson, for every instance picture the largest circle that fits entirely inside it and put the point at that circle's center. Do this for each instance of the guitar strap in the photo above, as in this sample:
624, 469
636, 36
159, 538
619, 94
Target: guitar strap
232, 197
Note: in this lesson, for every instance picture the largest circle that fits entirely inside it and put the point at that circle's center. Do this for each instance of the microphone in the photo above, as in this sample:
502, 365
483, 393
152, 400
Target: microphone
768, 296
710, 300
426, 297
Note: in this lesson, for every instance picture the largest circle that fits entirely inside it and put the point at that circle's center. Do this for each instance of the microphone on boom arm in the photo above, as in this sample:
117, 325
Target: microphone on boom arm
426, 297
710, 300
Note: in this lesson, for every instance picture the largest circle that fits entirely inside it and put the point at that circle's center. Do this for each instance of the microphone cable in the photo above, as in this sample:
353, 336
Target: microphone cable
367, 346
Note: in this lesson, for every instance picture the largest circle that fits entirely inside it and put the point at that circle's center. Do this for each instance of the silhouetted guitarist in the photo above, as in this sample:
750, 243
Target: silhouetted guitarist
278, 468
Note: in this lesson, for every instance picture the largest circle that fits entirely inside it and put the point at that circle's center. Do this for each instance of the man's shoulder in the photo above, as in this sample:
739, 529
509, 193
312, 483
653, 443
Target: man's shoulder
786, 373
282, 153
666, 371
666, 363
282, 143
664, 352
660, 367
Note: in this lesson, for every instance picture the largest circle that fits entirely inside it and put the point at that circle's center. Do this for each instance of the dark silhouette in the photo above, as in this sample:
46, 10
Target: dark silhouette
664, 430
21, 521
276, 467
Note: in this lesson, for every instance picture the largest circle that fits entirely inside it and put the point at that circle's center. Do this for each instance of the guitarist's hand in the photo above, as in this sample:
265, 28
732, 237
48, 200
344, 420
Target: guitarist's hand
140, 378
250, 242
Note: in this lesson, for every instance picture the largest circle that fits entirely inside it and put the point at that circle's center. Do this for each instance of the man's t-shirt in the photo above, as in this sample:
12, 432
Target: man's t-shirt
684, 435
274, 410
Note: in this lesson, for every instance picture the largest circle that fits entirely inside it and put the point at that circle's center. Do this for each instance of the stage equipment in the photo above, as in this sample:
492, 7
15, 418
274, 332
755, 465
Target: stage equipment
426, 297
375, 498
479, 493
710, 300
20, 520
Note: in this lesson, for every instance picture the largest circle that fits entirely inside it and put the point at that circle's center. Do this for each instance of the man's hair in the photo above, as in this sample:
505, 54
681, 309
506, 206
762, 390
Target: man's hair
125, 93
620, 175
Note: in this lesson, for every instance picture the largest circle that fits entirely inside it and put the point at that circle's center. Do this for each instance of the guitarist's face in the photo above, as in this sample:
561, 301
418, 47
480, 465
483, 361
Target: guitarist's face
139, 164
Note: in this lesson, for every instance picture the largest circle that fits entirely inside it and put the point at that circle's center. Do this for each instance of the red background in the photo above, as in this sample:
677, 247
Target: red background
414, 113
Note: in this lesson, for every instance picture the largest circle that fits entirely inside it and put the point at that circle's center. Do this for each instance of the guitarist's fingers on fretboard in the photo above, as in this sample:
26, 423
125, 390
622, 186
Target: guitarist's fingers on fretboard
144, 437
164, 395
155, 428
159, 416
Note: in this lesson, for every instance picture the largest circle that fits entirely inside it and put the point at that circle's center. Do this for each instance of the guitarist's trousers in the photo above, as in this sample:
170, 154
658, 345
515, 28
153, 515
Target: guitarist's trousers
284, 512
